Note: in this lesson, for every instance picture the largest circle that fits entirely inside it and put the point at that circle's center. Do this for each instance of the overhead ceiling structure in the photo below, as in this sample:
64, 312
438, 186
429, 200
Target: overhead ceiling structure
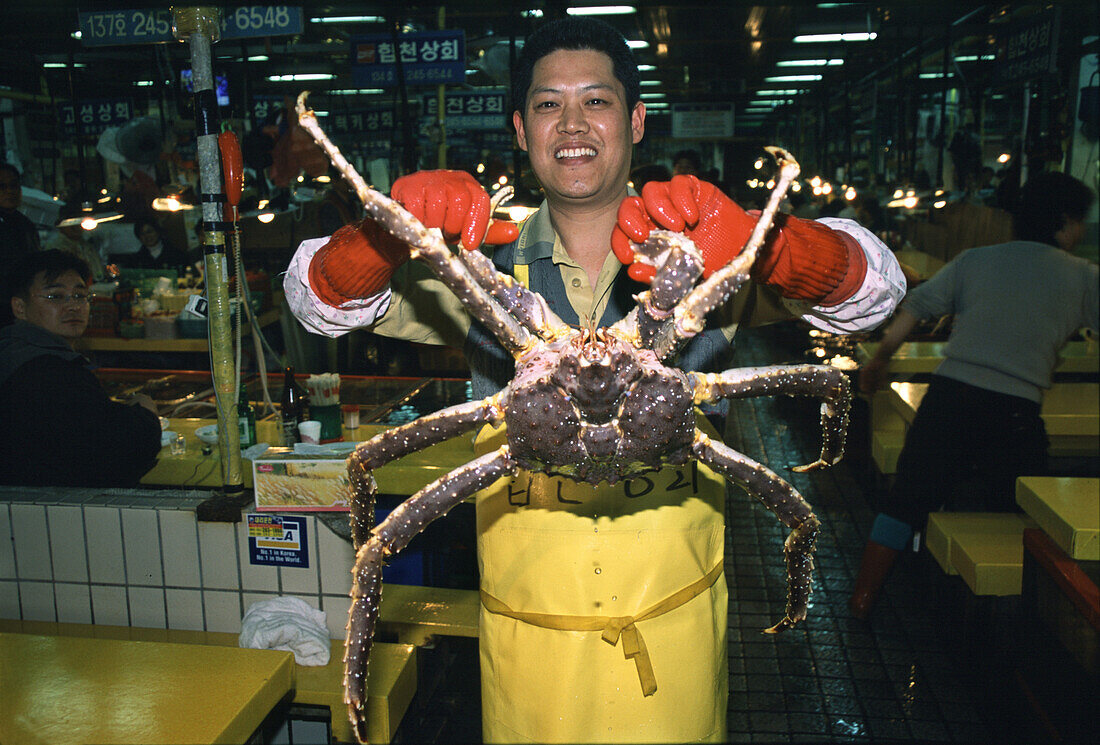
759, 58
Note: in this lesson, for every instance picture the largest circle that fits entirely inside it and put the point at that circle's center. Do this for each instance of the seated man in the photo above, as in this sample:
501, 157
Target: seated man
61, 427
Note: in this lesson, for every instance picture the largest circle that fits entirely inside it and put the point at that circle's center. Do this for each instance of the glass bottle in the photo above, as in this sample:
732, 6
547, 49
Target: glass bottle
246, 419
291, 408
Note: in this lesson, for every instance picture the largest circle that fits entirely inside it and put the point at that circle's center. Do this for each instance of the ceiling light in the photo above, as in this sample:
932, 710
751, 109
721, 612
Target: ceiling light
62, 64
648, 83
656, 105
602, 10
809, 62
934, 75
833, 38
637, 44
975, 58
348, 19
355, 91
757, 110
779, 92
143, 83
791, 78
649, 96
254, 58
76, 34
301, 76
532, 13
646, 68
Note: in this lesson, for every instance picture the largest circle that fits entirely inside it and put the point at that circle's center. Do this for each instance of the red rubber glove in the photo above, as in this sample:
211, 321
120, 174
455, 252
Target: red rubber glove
359, 260
802, 259
454, 202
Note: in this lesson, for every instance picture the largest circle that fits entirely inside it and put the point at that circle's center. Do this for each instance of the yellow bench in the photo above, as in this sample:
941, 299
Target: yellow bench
1067, 509
415, 613
985, 548
391, 679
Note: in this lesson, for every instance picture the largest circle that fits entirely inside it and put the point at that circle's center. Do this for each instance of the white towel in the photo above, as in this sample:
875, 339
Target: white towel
290, 624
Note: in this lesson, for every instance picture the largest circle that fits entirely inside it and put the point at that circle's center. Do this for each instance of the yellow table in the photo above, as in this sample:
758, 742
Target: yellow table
922, 357
63, 689
924, 265
121, 344
405, 476
1067, 509
1071, 412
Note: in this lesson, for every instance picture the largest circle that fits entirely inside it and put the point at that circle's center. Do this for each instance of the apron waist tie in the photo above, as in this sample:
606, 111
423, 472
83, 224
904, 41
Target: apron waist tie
614, 627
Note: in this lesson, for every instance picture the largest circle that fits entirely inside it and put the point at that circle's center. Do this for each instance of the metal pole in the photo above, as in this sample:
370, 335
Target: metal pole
440, 97
200, 28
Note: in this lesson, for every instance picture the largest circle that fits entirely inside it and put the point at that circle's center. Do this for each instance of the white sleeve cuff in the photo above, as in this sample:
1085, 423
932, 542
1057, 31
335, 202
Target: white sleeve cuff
318, 316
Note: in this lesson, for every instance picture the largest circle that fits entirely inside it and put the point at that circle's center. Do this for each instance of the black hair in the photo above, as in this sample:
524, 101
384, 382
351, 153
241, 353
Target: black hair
142, 222
1045, 203
53, 263
575, 33
5, 166
691, 156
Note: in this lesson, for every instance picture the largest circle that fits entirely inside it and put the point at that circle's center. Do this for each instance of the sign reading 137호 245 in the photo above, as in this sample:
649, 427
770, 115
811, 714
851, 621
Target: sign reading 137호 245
153, 25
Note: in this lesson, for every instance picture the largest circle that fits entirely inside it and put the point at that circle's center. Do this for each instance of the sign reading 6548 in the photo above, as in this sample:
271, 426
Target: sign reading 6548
150, 26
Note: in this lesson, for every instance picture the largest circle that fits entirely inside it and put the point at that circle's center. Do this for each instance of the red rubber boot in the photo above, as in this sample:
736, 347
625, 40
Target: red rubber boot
877, 562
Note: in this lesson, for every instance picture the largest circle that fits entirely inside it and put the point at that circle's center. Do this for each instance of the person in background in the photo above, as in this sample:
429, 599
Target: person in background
155, 252
687, 163
642, 175
73, 239
1014, 304
18, 235
61, 428
577, 113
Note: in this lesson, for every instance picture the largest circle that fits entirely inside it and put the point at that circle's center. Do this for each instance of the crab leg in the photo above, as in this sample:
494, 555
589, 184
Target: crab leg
822, 381
689, 317
426, 244
787, 504
400, 441
392, 535
529, 307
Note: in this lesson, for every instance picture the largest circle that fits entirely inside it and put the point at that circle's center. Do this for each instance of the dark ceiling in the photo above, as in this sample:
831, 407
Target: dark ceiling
701, 51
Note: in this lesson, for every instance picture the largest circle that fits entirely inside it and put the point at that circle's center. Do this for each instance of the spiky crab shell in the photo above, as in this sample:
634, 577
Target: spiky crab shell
594, 408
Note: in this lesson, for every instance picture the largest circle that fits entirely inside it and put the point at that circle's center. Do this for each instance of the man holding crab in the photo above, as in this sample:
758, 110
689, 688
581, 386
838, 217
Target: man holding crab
646, 555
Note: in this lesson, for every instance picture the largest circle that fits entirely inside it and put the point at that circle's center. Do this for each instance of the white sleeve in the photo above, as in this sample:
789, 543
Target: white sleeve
318, 316
882, 289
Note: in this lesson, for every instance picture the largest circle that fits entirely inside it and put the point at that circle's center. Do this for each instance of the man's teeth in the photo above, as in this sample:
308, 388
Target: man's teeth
575, 152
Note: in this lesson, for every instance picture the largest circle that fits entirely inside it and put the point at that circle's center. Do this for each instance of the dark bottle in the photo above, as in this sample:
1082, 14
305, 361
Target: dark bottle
292, 410
246, 419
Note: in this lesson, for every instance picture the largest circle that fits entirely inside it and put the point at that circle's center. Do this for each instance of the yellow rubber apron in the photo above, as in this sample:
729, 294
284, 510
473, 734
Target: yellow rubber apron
604, 608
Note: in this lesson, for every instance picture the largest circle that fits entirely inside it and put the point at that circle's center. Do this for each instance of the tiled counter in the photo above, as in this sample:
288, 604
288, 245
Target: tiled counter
133, 557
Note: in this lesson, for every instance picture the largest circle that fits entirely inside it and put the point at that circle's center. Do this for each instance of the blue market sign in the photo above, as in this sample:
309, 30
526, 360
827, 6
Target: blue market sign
427, 58
152, 26
278, 540
469, 110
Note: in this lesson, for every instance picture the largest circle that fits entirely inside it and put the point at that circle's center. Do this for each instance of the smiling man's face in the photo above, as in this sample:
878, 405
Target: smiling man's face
577, 128
54, 305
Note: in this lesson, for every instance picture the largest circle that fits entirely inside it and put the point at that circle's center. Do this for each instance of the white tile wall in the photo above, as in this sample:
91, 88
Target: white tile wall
218, 555
147, 607
74, 602
184, 609
156, 568
32, 545
36, 601
180, 547
109, 605
7, 544
141, 547
67, 547
103, 531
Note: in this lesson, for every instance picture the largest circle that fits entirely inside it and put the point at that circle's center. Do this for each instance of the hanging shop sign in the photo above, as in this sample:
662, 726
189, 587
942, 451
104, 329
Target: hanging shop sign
371, 120
94, 115
469, 110
427, 58
154, 25
278, 540
1028, 48
702, 121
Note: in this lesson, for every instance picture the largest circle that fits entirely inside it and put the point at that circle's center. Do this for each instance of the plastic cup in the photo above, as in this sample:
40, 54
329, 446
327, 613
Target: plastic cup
310, 431
351, 416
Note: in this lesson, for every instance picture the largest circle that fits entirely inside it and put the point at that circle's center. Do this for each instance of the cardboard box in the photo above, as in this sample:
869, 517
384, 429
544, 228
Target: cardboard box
944, 528
285, 482
1067, 509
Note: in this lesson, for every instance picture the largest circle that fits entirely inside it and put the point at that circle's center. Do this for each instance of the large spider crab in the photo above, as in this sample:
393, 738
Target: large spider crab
587, 404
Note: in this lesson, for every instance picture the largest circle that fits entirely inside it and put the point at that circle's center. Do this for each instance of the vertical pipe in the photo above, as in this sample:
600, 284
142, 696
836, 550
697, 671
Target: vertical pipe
943, 107
199, 26
440, 97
